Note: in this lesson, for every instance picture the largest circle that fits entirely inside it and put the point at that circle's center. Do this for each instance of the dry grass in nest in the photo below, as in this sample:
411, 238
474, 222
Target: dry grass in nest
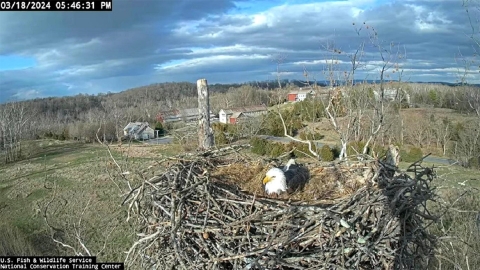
327, 181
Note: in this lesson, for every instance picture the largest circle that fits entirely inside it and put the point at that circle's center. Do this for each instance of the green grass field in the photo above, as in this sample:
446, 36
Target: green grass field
82, 188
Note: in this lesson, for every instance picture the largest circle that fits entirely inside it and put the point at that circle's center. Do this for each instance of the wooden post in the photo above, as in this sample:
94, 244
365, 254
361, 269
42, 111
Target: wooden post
205, 135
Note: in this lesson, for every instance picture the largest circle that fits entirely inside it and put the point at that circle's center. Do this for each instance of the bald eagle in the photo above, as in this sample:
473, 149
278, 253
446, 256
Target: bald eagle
287, 179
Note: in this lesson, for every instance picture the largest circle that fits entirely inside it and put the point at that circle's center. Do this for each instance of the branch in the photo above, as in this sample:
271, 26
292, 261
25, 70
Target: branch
295, 139
122, 173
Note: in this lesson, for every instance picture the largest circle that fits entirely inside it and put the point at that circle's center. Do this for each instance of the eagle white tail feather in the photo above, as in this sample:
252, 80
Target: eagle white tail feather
289, 163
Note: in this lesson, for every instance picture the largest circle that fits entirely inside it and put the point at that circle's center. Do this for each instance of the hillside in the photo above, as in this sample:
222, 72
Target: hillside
59, 185
81, 191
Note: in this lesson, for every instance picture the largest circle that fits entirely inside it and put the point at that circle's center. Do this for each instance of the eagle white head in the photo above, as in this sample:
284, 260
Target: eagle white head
275, 181
290, 178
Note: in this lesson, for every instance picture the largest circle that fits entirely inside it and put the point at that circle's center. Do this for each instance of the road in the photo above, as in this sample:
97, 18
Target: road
161, 140
439, 160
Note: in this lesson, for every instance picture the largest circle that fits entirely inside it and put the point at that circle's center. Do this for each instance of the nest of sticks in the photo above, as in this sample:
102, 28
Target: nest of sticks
192, 217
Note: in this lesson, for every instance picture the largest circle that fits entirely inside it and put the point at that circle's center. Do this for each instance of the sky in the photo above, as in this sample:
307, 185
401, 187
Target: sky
141, 42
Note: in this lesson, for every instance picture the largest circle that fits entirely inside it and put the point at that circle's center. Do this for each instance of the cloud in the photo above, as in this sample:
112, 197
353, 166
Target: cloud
143, 42
27, 94
212, 61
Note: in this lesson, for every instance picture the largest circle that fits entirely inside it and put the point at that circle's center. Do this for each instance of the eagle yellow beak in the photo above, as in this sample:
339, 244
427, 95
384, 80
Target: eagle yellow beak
267, 179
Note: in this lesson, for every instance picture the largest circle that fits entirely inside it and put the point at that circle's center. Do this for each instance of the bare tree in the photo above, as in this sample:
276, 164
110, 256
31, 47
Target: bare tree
279, 59
468, 143
443, 133
352, 109
336, 106
115, 114
14, 123
390, 57
417, 131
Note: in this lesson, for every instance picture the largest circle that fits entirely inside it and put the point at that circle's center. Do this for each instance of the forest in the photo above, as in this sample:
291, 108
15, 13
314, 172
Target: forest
452, 132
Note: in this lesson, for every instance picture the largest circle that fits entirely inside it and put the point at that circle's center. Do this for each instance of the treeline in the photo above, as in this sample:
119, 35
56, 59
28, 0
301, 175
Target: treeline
82, 117
458, 98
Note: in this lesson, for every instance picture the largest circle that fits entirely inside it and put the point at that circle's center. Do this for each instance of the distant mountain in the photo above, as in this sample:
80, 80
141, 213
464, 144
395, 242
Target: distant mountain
171, 94
301, 83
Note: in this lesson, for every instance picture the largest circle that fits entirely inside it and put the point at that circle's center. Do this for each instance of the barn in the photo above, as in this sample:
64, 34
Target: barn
299, 95
251, 111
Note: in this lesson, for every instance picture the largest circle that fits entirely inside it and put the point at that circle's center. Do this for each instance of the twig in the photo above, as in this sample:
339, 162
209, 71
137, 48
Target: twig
204, 223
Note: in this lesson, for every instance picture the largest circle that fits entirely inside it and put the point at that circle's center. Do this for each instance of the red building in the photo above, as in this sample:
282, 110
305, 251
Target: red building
292, 97
236, 117
299, 95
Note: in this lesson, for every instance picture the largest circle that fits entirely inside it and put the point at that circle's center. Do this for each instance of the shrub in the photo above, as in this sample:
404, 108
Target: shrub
159, 127
474, 163
219, 127
272, 124
277, 149
220, 138
48, 135
265, 147
315, 136
413, 155
259, 146
355, 148
416, 153
232, 129
301, 149
326, 153
335, 152
379, 151
309, 109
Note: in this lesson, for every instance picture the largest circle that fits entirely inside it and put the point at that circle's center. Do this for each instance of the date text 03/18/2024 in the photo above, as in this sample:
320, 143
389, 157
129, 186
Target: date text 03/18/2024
56, 5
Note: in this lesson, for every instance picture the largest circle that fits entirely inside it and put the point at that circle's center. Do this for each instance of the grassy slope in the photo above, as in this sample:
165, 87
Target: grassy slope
457, 207
81, 175
76, 178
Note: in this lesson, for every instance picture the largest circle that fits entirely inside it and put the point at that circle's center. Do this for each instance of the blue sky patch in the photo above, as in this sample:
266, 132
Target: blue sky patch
14, 62
231, 41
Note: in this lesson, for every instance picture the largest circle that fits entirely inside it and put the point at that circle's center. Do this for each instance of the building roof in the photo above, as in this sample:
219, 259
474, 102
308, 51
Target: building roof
301, 91
131, 124
170, 113
136, 127
236, 114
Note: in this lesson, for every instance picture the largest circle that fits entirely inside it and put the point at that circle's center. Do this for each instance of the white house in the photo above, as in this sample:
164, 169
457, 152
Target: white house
225, 115
393, 94
139, 131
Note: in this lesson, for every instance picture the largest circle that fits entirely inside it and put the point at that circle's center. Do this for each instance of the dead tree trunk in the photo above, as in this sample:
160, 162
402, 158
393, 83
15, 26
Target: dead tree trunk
205, 135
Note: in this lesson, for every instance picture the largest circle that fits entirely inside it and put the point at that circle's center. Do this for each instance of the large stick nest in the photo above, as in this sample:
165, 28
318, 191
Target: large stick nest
193, 217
